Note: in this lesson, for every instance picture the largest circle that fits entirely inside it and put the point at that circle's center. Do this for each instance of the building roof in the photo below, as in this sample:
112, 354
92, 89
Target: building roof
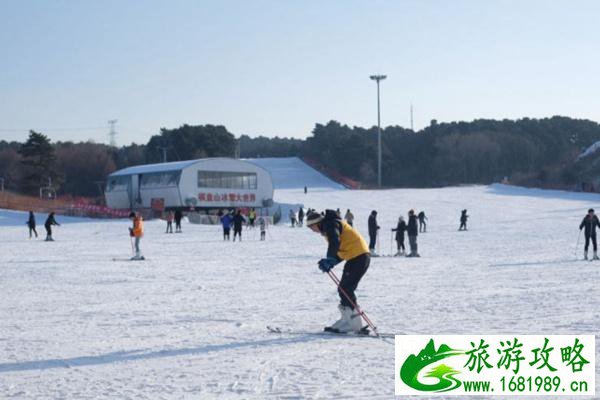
168, 166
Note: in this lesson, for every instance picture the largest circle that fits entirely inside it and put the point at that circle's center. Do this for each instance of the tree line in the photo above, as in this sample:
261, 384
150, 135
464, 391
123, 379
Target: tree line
535, 152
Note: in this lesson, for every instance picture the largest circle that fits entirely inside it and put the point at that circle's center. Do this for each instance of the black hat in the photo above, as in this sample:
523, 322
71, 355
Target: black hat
132, 215
591, 210
313, 217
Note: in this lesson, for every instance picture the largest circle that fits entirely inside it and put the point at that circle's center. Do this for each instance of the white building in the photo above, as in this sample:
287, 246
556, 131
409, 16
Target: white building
206, 183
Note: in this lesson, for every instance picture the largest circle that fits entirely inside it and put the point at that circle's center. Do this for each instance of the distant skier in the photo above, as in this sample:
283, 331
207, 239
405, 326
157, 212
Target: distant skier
339, 213
400, 229
238, 221
31, 224
422, 223
170, 218
226, 222
412, 231
590, 222
251, 217
349, 217
300, 216
345, 243
48, 225
137, 231
373, 228
463, 220
292, 215
305, 189
178, 218
263, 228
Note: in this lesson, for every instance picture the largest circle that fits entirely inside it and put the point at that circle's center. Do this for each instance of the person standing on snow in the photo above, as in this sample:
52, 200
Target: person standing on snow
422, 224
292, 215
300, 216
463, 220
178, 218
170, 218
251, 217
590, 222
349, 217
137, 231
226, 222
263, 227
31, 224
48, 225
373, 228
238, 220
412, 231
345, 243
400, 229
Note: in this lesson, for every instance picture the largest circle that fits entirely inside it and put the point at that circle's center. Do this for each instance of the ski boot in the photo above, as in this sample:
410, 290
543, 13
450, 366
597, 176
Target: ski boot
595, 256
585, 257
350, 321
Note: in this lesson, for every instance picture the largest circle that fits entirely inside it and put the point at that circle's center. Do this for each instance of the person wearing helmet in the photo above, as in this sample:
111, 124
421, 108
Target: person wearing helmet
345, 244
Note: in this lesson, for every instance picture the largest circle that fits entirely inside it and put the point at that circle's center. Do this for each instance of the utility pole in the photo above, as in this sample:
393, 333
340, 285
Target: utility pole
378, 78
112, 135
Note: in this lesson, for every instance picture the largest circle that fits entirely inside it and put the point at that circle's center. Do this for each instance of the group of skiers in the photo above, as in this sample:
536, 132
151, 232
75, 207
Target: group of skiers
411, 229
296, 221
237, 219
176, 216
50, 220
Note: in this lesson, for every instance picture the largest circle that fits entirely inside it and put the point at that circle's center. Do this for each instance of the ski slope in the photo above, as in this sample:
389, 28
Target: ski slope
292, 172
189, 323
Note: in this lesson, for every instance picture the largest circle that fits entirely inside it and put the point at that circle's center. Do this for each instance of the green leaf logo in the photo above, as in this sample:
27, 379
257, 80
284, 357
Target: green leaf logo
413, 365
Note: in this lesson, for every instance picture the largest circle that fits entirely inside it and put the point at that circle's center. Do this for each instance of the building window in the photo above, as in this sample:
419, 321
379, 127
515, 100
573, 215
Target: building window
227, 180
160, 179
117, 184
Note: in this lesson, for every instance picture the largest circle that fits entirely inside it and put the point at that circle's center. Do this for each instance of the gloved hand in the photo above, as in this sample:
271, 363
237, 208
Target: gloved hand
131, 232
326, 264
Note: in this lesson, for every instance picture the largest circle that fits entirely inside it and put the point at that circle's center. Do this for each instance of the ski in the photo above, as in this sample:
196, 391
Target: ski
129, 259
325, 333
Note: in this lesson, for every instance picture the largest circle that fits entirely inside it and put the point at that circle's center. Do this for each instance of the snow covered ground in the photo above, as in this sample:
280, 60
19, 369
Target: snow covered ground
190, 321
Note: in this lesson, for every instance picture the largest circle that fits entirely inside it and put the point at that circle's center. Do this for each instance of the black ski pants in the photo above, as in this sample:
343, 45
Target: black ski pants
237, 232
372, 241
400, 242
32, 229
587, 242
354, 270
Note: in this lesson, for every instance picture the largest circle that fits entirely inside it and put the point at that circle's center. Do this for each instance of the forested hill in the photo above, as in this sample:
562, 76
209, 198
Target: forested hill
535, 152
538, 152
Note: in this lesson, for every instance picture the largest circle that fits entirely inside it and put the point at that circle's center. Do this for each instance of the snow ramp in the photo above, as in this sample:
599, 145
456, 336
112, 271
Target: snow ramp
293, 173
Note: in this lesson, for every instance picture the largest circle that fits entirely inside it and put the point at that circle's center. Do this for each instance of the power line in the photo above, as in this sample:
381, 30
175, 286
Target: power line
87, 128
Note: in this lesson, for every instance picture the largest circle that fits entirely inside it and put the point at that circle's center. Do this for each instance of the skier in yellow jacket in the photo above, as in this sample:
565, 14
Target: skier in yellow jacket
137, 231
345, 243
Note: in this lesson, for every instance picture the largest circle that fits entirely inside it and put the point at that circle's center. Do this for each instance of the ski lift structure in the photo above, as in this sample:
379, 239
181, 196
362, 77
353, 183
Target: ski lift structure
48, 192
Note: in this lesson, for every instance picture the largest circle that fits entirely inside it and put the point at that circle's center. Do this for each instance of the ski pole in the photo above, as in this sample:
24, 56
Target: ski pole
354, 305
577, 245
131, 240
391, 242
378, 246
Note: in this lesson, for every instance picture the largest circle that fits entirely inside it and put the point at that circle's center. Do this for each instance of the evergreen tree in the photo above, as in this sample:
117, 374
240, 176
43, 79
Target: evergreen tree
38, 160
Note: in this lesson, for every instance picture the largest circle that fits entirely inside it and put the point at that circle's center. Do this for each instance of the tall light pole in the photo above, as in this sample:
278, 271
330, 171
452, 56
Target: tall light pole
378, 78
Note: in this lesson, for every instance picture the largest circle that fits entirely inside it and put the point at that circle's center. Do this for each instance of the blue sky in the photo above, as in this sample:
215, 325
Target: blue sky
279, 67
